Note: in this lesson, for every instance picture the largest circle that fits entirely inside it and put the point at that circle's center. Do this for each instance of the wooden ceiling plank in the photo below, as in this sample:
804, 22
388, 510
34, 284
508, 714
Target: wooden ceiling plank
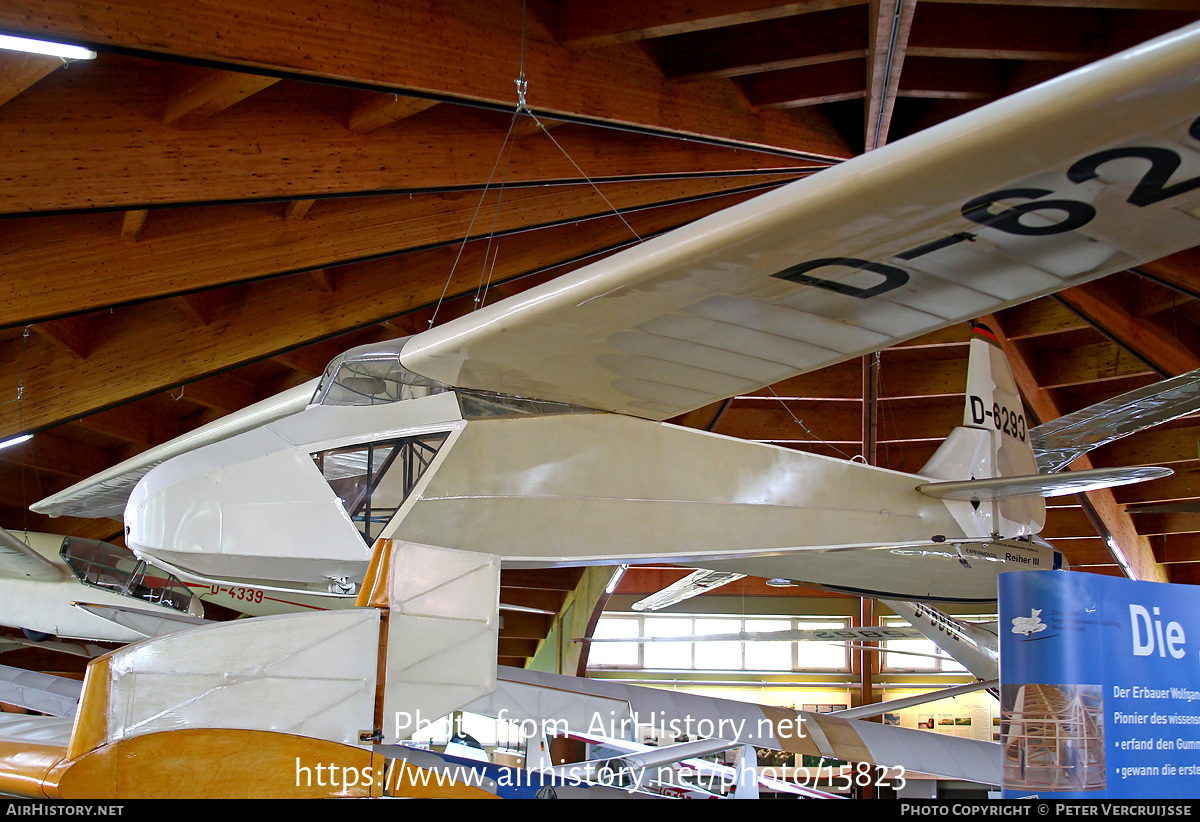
198, 93
281, 314
588, 23
466, 50
887, 42
205, 248
1044, 407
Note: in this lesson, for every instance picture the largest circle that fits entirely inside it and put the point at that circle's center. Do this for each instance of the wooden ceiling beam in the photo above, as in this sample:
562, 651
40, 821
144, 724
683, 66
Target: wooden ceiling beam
468, 50
808, 86
588, 23
70, 334
297, 209
197, 249
283, 313
1044, 408
372, 110
197, 307
809, 40
132, 223
198, 93
887, 41
19, 72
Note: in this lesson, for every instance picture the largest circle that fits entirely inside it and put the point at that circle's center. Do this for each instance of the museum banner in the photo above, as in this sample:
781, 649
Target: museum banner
1100, 686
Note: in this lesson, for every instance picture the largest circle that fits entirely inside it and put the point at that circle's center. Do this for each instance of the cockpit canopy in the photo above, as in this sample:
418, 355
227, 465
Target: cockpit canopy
372, 375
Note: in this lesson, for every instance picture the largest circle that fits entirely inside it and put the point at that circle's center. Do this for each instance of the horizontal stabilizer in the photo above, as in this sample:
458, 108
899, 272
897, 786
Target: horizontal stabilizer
146, 623
692, 585
44, 693
1046, 485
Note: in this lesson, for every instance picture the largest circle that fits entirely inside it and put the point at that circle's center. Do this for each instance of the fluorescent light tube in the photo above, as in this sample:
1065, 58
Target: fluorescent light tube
44, 47
16, 440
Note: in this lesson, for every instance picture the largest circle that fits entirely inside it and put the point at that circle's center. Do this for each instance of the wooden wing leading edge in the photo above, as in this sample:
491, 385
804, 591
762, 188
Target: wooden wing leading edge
1088, 174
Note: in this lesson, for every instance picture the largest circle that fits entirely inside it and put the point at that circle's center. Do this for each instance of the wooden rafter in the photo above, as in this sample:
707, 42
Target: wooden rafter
469, 51
205, 248
887, 42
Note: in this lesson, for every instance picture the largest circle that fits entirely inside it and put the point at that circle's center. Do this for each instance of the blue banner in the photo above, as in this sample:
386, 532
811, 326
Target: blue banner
1100, 687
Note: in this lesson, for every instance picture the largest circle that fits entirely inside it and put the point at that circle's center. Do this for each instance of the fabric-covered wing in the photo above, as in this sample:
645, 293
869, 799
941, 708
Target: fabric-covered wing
1056, 444
19, 561
1085, 175
105, 494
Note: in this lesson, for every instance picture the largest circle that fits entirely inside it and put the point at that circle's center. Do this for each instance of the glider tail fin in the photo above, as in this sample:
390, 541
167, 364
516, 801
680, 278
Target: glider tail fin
993, 441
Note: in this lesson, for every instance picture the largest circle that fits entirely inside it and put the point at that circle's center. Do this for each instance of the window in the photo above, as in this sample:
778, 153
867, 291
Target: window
373, 480
673, 642
372, 375
919, 654
110, 568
